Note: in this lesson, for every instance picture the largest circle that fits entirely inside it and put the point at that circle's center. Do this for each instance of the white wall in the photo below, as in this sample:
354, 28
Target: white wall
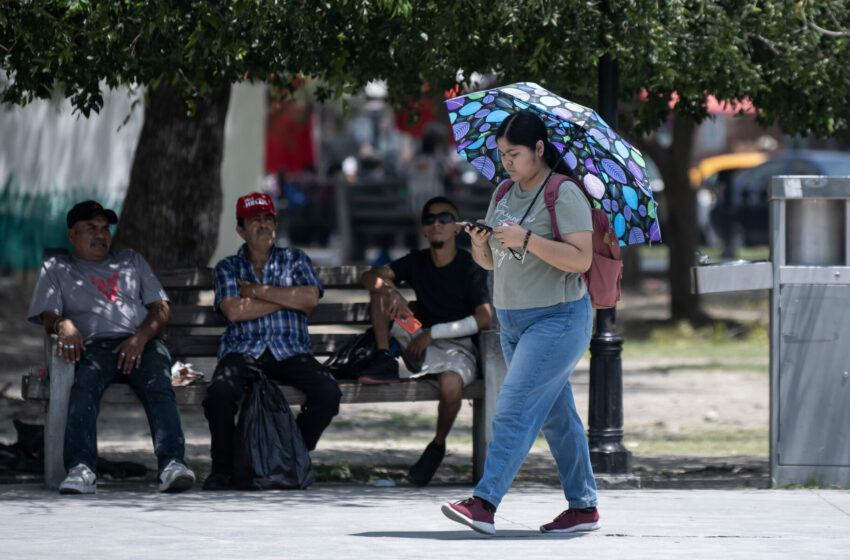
46, 148
57, 158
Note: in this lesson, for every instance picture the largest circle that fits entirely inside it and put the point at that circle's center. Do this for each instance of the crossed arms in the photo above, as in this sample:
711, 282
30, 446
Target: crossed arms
259, 300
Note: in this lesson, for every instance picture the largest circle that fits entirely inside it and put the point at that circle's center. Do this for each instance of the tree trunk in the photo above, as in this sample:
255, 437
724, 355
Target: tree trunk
173, 203
678, 216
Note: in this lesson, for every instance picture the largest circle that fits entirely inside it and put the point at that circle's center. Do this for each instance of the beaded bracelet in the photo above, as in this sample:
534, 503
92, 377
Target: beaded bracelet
527, 237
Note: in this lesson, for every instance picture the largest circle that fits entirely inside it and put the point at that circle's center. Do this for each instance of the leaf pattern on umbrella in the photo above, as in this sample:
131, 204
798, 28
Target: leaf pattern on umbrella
612, 172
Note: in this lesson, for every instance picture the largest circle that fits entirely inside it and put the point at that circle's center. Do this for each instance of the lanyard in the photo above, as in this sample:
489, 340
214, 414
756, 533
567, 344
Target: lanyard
533, 200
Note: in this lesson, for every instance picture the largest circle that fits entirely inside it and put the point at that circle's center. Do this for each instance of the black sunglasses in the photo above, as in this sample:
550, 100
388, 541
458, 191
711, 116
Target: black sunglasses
444, 217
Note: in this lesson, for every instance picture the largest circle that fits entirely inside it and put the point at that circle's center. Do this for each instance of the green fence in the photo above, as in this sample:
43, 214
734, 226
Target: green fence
30, 221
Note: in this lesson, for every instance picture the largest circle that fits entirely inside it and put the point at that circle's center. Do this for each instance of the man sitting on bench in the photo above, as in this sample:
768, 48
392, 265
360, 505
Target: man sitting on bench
452, 303
107, 309
265, 293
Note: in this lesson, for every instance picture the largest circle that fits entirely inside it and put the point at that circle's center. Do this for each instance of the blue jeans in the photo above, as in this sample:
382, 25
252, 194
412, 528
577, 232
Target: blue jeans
541, 347
151, 382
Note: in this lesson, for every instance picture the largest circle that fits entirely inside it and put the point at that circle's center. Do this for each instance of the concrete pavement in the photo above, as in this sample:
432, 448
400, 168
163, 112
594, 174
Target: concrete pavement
356, 521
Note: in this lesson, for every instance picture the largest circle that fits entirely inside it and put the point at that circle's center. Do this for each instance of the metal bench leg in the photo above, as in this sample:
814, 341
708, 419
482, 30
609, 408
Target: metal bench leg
493, 369
61, 379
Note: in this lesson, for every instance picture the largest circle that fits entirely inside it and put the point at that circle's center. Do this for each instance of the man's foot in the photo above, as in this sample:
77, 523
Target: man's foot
382, 369
176, 477
573, 521
421, 473
80, 480
472, 513
218, 481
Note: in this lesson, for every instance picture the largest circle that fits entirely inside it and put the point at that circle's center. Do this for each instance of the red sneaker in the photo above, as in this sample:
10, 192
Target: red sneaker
471, 512
572, 521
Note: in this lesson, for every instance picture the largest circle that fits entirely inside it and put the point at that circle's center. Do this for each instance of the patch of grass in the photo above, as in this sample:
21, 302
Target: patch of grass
716, 346
757, 253
753, 443
716, 443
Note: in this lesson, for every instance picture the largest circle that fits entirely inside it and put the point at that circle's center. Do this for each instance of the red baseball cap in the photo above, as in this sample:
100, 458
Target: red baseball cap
254, 204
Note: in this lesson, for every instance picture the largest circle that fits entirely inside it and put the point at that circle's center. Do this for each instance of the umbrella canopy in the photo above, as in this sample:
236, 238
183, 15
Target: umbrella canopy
612, 172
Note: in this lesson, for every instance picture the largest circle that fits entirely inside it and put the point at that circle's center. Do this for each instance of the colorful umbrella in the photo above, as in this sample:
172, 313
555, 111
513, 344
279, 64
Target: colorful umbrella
612, 172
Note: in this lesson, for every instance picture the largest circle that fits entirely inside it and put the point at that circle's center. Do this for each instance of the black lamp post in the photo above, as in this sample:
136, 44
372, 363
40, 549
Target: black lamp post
608, 455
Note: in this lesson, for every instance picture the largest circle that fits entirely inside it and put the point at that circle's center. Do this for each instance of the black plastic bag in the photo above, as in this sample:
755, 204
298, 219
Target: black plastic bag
270, 453
349, 361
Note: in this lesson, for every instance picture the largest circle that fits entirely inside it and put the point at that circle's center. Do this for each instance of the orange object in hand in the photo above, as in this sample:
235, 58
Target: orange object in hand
408, 322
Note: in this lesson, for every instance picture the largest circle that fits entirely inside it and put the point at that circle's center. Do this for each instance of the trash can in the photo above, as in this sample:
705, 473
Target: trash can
809, 275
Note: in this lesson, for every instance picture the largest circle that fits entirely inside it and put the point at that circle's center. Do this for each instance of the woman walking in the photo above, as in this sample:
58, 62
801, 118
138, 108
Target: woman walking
546, 319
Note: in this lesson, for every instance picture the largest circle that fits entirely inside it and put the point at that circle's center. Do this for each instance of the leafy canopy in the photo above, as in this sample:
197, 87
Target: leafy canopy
774, 52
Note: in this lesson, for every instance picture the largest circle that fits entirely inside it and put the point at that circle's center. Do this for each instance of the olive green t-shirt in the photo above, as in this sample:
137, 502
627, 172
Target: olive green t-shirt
532, 282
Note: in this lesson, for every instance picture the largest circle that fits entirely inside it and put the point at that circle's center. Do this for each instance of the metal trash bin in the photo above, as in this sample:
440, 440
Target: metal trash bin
809, 275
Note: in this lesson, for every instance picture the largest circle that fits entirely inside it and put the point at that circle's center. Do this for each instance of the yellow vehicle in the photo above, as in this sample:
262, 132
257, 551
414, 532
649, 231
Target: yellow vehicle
709, 170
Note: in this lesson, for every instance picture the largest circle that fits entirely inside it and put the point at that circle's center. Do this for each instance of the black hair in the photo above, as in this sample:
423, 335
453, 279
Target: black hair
525, 128
438, 200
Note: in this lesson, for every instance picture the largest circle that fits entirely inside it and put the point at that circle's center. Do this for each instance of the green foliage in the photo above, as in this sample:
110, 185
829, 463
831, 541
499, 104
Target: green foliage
770, 51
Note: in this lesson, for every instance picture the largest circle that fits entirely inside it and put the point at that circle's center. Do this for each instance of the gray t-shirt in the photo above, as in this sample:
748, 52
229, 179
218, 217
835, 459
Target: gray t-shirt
104, 299
533, 282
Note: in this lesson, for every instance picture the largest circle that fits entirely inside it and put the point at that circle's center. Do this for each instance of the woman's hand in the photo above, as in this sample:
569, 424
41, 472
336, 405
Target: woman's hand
510, 234
477, 235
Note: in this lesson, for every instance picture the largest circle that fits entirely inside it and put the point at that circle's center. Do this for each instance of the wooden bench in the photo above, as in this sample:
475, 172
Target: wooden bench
193, 334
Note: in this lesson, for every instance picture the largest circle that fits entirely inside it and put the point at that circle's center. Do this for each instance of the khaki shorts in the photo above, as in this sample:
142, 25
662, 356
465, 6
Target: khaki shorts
446, 354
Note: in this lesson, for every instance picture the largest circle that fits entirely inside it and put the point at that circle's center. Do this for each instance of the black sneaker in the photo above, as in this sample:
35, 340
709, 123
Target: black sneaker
421, 473
218, 481
382, 369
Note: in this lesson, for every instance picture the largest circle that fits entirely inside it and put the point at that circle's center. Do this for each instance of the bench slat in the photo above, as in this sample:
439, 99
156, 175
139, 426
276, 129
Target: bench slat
202, 278
37, 388
356, 313
206, 345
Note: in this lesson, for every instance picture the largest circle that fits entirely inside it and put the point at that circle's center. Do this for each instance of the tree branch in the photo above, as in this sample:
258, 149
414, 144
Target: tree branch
816, 27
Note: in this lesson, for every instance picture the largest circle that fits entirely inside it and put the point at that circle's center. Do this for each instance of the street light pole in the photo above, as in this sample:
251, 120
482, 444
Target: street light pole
608, 455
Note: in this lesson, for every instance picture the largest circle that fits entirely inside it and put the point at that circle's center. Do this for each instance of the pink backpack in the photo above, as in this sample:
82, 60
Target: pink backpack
606, 268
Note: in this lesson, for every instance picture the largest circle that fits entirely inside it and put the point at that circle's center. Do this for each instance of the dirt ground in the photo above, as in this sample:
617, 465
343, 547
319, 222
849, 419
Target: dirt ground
388, 438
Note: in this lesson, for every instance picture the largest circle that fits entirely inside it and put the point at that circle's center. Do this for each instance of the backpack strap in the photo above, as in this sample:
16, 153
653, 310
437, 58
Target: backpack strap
504, 187
550, 195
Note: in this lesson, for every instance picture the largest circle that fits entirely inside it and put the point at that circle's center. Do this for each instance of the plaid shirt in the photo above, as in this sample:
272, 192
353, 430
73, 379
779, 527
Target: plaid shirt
284, 332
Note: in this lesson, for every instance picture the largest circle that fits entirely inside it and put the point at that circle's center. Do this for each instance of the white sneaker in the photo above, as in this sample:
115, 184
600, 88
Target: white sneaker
80, 480
176, 477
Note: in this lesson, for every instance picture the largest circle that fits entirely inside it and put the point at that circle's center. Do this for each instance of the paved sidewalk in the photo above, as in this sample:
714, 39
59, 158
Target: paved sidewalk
353, 521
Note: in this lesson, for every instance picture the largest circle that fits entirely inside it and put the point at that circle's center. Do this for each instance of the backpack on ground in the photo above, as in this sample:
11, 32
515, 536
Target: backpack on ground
606, 269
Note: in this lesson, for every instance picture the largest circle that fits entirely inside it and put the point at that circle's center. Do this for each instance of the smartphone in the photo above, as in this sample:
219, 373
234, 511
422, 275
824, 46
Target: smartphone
408, 322
478, 225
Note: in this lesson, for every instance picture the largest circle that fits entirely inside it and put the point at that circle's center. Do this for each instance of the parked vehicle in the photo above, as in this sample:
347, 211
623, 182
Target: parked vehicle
741, 215
711, 178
